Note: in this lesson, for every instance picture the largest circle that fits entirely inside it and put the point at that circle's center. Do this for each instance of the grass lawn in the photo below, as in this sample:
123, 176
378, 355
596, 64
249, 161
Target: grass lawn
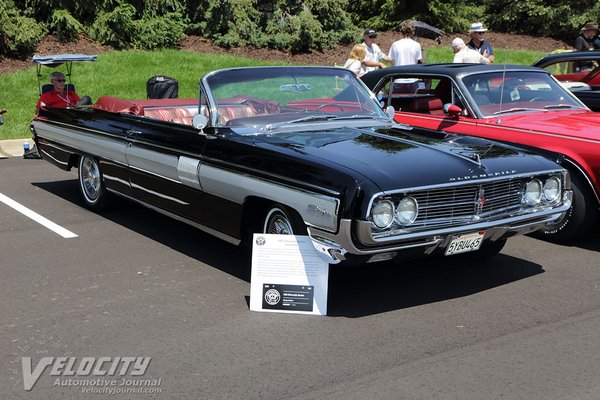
124, 74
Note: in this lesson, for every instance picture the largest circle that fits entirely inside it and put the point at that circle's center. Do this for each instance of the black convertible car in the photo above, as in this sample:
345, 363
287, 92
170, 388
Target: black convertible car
304, 150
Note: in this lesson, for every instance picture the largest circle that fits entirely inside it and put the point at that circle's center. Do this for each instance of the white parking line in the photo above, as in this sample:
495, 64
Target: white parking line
37, 217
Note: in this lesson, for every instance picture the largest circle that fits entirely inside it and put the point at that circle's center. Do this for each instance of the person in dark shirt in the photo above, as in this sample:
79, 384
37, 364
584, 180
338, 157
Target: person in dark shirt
59, 95
589, 33
478, 43
586, 41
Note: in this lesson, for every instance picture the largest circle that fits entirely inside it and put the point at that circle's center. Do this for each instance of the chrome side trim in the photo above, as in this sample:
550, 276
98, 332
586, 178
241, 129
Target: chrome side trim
203, 228
187, 171
315, 209
235, 167
163, 196
162, 165
46, 154
80, 129
102, 146
115, 179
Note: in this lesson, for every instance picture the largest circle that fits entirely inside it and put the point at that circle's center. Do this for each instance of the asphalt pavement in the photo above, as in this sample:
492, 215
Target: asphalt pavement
133, 283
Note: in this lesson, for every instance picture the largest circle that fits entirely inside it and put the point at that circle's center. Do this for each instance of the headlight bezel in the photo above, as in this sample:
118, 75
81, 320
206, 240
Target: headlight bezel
400, 219
374, 217
556, 198
537, 197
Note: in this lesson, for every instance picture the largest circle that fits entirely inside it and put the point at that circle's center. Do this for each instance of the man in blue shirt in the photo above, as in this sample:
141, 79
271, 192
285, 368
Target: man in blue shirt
478, 43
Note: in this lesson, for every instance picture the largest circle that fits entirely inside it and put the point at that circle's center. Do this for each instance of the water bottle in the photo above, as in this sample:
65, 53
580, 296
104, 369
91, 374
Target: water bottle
25, 147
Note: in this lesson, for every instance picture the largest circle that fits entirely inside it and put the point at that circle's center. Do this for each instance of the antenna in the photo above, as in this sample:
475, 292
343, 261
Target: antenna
499, 120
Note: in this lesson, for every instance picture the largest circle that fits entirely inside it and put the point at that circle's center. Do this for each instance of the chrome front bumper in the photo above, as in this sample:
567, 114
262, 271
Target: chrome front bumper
337, 246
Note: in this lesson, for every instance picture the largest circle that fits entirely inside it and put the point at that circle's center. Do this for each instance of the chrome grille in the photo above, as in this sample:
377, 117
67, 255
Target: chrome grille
446, 206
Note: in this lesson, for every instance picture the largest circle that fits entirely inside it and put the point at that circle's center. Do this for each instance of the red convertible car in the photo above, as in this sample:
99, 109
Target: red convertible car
516, 104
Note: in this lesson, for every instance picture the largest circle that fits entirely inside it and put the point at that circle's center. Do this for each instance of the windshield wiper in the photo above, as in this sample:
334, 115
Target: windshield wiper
551, 106
356, 116
517, 109
308, 118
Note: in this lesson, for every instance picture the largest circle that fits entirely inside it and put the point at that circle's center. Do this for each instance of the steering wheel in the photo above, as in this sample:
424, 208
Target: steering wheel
332, 104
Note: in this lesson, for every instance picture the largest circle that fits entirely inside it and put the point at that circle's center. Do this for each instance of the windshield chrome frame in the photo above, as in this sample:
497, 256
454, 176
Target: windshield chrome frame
212, 103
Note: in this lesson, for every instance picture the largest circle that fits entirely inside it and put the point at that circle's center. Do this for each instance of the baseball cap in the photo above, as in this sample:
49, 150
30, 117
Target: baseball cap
370, 32
458, 42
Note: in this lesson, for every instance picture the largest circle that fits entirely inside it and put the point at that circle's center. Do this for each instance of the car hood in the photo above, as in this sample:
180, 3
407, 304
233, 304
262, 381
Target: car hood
400, 157
573, 123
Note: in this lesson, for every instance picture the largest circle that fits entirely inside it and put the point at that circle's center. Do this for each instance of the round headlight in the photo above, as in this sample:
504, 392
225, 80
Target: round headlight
533, 192
552, 189
383, 214
407, 211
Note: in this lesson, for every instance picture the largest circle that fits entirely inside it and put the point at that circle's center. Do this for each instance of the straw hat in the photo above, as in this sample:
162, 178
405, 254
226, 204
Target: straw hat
590, 26
478, 27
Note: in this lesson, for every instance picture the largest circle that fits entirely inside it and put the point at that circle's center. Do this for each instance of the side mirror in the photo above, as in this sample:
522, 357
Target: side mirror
199, 121
390, 111
452, 110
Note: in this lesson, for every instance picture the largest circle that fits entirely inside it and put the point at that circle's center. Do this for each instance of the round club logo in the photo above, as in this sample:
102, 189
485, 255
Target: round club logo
261, 240
272, 297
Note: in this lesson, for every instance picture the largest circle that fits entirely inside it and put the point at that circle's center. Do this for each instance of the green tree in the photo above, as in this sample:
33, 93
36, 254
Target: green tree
19, 34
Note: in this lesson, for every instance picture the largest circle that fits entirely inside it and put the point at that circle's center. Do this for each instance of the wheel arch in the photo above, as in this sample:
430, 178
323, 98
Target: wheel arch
253, 212
575, 169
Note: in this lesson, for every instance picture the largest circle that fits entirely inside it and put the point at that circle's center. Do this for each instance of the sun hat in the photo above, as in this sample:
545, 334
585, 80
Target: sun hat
458, 42
477, 27
590, 26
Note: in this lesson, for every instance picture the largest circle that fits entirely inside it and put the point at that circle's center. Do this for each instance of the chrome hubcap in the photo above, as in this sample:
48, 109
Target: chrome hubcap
90, 178
278, 224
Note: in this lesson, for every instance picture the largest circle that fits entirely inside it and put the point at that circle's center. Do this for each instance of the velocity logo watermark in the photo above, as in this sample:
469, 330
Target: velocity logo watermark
99, 372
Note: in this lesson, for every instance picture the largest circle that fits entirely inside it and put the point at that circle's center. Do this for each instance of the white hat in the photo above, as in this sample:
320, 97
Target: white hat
458, 43
477, 27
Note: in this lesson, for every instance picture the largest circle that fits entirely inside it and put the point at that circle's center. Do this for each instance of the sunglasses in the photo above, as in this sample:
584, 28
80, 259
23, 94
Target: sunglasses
371, 36
60, 80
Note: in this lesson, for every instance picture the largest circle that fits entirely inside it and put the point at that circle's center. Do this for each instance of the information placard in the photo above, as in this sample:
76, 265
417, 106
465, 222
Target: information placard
288, 275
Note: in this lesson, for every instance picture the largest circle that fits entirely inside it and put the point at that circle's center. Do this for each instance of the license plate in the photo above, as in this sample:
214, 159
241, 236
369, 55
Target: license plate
465, 243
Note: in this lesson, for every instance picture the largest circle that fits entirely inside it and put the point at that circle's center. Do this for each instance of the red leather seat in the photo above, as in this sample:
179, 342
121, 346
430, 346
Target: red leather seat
427, 105
178, 115
233, 111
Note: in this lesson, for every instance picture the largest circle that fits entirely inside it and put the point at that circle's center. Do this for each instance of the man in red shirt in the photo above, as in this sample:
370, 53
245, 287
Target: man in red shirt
59, 95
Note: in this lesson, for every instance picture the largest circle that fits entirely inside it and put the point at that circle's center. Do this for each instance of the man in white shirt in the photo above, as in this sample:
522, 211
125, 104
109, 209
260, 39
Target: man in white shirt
464, 54
406, 51
374, 55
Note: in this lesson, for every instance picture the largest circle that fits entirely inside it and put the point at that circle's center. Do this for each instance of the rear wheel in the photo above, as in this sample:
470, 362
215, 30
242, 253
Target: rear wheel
577, 221
279, 220
90, 183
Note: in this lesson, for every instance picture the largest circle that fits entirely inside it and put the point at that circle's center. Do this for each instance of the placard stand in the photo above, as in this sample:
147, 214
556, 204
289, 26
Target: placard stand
288, 275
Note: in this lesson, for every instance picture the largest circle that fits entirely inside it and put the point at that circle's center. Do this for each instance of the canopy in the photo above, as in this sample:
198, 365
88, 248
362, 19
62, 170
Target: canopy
54, 60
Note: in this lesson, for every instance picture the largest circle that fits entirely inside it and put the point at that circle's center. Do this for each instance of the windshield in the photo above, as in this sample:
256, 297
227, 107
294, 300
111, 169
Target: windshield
274, 96
517, 91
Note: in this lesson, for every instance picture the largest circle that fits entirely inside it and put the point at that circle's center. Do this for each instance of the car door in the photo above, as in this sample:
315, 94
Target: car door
164, 159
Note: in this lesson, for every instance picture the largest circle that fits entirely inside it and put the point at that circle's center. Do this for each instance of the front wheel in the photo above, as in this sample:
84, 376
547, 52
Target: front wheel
90, 183
281, 221
577, 221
